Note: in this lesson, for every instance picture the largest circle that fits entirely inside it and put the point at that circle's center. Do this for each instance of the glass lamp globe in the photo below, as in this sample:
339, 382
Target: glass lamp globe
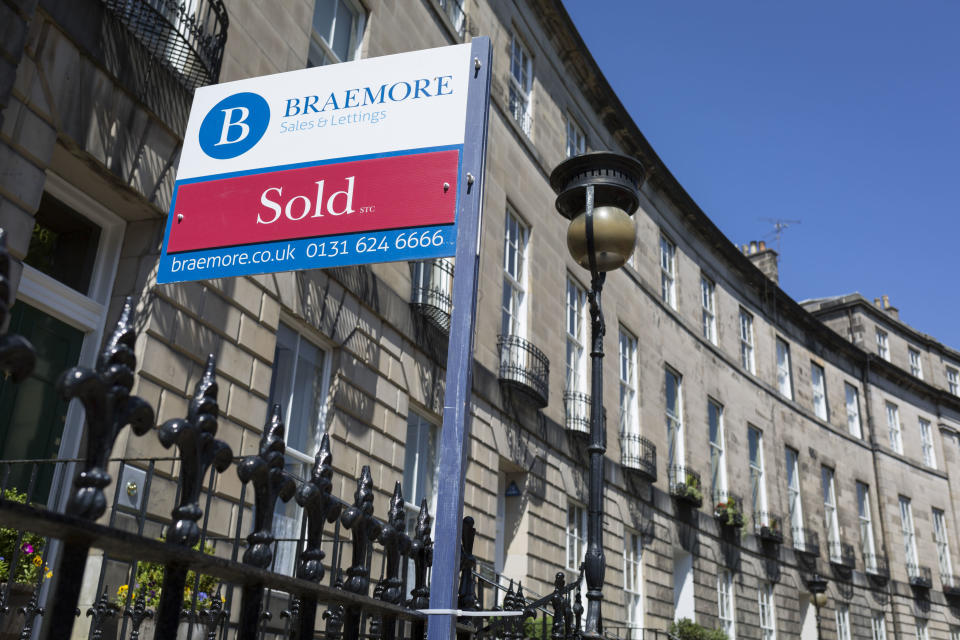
614, 235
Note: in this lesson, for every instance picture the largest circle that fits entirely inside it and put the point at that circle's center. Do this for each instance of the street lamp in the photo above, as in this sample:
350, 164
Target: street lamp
817, 585
598, 193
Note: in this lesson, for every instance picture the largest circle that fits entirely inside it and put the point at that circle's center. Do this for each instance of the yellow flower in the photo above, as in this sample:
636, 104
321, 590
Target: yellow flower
121, 592
49, 575
37, 561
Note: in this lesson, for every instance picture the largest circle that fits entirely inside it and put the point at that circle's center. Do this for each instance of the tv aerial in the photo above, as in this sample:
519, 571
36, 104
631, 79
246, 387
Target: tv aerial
779, 226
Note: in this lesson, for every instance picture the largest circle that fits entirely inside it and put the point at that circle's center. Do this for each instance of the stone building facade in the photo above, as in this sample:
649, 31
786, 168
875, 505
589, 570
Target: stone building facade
836, 458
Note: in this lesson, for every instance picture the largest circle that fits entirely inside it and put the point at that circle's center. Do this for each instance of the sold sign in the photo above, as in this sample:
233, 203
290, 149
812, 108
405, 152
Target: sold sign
343, 164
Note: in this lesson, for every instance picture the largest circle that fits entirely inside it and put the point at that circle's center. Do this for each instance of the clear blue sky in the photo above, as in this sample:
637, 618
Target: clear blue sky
844, 115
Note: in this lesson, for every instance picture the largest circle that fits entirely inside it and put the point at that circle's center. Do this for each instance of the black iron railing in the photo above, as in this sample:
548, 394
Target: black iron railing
576, 408
876, 566
951, 585
841, 553
685, 485
638, 455
186, 37
431, 291
524, 367
768, 526
919, 575
805, 541
454, 11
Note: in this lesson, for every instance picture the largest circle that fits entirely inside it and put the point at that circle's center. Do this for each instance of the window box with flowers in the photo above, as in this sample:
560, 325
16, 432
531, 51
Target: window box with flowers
728, 512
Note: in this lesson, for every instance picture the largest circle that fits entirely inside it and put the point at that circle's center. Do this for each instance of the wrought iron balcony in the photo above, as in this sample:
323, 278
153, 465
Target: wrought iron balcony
431, 292
951, 585
876, 567
685, 485
842, 554
805, 541
638, 455
186, 37
525, 368
728, 509
768, 527
920, 576
576, 407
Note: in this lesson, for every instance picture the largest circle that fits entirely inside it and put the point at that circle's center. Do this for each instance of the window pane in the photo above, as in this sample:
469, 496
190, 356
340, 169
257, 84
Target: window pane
323, 13
63, 244
343, 28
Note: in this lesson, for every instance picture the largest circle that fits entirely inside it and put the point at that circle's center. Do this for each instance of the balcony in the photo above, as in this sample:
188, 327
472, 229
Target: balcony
639, 456
805, 542
919, 576
768, 527
576, 407
951, 585
186, 38
842, 554
685, 485
876, 567
524, 368
431, 292
728, 510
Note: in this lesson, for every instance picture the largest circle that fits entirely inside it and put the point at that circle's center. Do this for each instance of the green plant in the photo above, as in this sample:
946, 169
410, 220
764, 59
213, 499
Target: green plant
687, 629
728, 513
30, 565
149, 583
534, 629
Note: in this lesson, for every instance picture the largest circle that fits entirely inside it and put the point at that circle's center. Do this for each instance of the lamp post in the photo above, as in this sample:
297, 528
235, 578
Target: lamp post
598, 193
817, 585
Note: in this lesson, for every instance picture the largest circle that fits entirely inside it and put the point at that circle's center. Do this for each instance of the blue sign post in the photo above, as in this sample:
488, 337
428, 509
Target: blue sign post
454, 437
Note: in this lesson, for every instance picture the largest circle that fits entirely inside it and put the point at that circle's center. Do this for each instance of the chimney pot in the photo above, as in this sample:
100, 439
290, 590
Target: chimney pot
876, 302
763, 246
886, 301
753, 247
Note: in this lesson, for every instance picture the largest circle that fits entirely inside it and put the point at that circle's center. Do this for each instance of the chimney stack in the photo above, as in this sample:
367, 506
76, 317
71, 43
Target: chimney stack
763, 258
892, 311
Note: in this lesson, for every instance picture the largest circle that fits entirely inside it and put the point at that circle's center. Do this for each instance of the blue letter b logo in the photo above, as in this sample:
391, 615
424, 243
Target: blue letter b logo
234, 125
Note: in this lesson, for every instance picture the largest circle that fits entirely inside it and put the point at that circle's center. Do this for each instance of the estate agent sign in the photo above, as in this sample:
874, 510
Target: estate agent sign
343, 164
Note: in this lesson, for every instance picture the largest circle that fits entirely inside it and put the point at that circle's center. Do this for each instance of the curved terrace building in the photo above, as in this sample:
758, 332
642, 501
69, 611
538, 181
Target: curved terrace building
752, 440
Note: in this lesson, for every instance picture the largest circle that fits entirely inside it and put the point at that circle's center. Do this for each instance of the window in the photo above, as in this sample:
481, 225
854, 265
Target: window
784, 375
668, 268
922, 629
513, 311
675, 459
867, 547
633, 584
419, 466
337, 31
794, 503
893, 427
521, 84
878, 625
926, 444
916, 367
909, 538
943, 545
883, 344
758, 488
576, 535
746, 341
843, 621
954, 633
830, 512
708, 294
576, 328
576, 140
298, 384
768, 614
718, 464
853, 410
725, 604
817, 379
953, 381
629, 419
